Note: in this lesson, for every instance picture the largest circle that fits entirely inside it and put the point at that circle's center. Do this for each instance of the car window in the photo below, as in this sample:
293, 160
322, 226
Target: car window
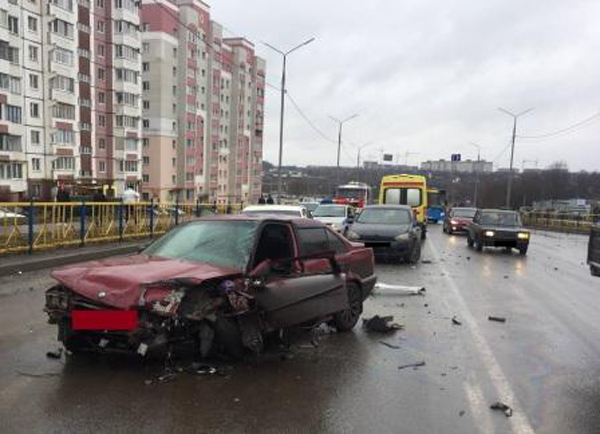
389, 216
312, 241
335, 243
330, 211
500, 219
403, 196
463, 212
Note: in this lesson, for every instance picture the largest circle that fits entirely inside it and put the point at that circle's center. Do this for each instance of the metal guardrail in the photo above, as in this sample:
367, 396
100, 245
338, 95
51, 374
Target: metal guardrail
561, 221
33, 226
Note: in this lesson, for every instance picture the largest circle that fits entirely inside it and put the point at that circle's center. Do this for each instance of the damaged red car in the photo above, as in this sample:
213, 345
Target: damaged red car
218, 284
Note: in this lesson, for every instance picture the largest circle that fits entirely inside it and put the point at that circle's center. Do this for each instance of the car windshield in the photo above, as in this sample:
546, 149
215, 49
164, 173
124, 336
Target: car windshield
463, 212
500, 219
351, 193
219, 243
384, 216
273, 211
330, 211
311, 206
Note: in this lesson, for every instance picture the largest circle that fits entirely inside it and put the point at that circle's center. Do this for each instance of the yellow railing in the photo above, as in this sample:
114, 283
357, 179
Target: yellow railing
29, 227
560, 221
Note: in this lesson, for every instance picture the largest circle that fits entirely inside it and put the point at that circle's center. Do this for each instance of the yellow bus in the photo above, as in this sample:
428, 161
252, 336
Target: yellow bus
406, 190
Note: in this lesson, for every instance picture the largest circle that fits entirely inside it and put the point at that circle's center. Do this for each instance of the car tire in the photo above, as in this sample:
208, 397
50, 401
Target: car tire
594, 271
70, 340
346, 319
415, 253
470, 242
523, 250
479, 245
229, 337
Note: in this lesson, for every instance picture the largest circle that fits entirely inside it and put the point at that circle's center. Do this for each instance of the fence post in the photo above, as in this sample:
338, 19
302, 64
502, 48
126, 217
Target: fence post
151, 217
177, 210
121, 220
30, 235
82, 212
198, 207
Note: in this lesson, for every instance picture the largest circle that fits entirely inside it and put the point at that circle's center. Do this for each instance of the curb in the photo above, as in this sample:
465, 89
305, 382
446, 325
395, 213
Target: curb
32, 264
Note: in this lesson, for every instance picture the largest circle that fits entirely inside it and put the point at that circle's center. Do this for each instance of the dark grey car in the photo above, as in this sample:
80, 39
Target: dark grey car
390, 230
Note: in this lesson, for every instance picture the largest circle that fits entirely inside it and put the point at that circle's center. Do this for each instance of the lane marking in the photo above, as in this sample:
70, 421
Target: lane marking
519, 421
479, 407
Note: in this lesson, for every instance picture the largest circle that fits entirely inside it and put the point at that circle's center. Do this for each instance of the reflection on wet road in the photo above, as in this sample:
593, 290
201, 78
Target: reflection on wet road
544, 361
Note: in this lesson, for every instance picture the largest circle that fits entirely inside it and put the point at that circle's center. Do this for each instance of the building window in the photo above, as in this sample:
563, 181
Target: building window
145, 143
146, 104
62, 55
64, 163
9, 53
100, 4
146, 123
34, 81
33, 53
145, 178
62, 83
146, 66
34, 110
63, 137
62, 28
101, 143
131, 145
32, 24
174, 144
174, 162
102, 120
101, 75
130, 165
146, 160
101, 97
146, 85
13, 24
145, 47
10, 113
101, 50
102, 166
35, 164
146, 27
34, 137
11, 170
100, 26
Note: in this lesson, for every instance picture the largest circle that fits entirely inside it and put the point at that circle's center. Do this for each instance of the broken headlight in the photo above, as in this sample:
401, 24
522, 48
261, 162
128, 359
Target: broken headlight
57, 298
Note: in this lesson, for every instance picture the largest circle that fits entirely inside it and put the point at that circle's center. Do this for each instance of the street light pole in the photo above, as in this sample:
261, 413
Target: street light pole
340, 124
512, 150
359, 149
477, 169
284, 54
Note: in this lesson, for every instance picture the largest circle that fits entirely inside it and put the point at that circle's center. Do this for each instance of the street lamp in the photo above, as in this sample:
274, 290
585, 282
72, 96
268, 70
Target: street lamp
359, 149
512, 149
284, 54
477, 169
340, 124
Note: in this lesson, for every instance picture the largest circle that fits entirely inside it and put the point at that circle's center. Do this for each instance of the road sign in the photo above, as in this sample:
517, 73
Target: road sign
455, 157
387, 157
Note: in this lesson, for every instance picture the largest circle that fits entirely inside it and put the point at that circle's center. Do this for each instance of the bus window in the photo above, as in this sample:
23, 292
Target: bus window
403, 196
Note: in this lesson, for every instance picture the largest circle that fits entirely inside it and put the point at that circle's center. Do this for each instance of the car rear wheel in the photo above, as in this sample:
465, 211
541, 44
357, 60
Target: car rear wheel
346, 319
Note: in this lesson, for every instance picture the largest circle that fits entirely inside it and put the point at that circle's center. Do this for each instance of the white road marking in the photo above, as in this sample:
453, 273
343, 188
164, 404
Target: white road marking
519, 421
479, 407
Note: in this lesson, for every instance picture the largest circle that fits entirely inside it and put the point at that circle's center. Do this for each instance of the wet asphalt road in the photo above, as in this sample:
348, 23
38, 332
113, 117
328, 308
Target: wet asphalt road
544, 361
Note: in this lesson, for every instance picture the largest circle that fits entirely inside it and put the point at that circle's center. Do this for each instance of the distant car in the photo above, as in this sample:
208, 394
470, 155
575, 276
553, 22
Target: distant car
593, 258
290, 210
391, 230
310, 206
458, 219
217, 284
336, 216
498, 228
436, 213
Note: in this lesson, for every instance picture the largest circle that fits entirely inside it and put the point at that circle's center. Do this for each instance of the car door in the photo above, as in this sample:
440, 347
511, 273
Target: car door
475, 226
295, 297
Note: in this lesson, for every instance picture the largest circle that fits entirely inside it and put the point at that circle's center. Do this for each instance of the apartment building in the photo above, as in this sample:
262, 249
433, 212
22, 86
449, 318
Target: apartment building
465, 166
202, 107
70, 97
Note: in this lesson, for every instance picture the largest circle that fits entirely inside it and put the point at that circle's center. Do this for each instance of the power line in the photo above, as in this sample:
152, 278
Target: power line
308, 121
563, 131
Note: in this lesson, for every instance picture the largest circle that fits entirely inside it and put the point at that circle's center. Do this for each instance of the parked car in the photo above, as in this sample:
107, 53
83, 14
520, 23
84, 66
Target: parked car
310, 206
593, 258
458, 219
391, 230
10, 215
336, 216
291, 210
219, 283
498, 228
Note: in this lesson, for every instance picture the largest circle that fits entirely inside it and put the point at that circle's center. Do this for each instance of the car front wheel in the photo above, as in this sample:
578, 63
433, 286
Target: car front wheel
595, 271
479, 245
523, 250
346, 319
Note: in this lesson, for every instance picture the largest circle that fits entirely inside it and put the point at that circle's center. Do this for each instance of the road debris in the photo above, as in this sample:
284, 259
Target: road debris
387, 344
400, 289
496, 318
455, 321
461, 413
500, 406
161, 379
381, 324
426, 261
43, 375
506, 277
412, 365
57, 354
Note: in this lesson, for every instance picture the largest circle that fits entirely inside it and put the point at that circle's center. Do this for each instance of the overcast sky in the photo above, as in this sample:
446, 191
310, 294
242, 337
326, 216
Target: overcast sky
427, 76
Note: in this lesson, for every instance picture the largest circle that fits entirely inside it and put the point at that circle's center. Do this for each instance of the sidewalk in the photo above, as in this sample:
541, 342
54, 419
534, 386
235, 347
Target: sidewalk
12, 264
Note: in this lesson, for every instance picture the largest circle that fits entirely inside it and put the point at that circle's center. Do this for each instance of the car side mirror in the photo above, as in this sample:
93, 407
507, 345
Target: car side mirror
262, 270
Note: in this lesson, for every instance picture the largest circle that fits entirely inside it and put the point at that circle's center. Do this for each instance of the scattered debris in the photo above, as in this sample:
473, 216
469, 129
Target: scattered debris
401, 289
426, 261
103, 343
468, 258
387, 344
55, 354
19, 272
500, 406
461, 413
506, 277
425, 305
381, 324
455, 321
165, 378
555, 268
198, 369
496, 318
43, 375
412, 365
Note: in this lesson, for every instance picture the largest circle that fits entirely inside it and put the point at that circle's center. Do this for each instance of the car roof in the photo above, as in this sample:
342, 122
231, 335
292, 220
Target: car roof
498, 211
403, 207
465, 207
274, 208
282, 218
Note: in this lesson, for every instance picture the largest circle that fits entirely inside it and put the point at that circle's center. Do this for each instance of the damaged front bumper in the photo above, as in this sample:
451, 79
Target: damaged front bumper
170, 314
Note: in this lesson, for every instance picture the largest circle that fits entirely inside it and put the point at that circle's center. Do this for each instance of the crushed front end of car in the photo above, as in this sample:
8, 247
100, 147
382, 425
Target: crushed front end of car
217, 315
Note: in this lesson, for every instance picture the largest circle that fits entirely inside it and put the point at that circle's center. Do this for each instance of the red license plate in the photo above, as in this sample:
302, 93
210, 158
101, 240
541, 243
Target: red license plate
104, 319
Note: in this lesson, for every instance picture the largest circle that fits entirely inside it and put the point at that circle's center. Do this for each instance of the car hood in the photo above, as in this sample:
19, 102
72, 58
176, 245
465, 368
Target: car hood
462, 220
378, 231
331, 220
123, 278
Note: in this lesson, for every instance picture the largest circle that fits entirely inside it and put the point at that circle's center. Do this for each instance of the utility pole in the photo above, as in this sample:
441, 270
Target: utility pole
340, 124
284, 54
359, 149
477, 170
512, 150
